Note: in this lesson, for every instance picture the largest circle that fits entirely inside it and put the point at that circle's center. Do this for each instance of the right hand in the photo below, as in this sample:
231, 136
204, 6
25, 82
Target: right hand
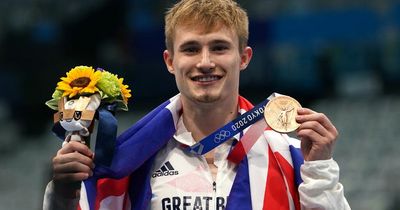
72, 164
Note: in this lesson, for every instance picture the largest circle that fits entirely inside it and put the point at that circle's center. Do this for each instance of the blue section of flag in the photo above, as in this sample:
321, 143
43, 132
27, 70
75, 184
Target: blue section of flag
139, 143
298, 160
139, 187
91, 190
240, 195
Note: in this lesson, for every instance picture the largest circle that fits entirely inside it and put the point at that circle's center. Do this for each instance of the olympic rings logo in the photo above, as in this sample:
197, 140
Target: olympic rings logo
221, 136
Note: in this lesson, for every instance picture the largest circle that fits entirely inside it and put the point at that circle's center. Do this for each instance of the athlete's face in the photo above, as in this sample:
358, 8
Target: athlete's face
206, 65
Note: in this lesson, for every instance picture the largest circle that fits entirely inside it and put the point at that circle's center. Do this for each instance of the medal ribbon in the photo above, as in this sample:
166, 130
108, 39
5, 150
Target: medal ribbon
229, 130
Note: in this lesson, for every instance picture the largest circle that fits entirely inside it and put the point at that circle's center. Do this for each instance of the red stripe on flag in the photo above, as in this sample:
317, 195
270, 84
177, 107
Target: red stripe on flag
245, 104
110, 187
237, 153
275, 197
289, 174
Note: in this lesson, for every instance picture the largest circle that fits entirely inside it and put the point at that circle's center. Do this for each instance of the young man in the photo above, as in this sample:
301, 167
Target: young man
206, 51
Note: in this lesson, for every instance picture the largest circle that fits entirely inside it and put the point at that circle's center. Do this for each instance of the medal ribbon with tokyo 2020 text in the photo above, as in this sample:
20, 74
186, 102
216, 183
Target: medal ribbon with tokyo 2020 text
229, 130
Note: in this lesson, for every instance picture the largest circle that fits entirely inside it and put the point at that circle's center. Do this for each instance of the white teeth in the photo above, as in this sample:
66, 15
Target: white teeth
205, 78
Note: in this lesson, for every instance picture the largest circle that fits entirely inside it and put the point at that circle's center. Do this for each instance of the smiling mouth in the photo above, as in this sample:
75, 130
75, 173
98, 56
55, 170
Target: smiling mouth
206, 78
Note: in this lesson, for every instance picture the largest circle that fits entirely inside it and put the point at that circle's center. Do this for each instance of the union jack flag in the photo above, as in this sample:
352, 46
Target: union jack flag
267, 177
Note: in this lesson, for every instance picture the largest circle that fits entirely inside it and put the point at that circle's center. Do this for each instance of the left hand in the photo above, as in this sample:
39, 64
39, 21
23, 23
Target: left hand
317, 134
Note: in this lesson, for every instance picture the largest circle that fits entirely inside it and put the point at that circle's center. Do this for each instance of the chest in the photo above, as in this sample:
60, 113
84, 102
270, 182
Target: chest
183, 181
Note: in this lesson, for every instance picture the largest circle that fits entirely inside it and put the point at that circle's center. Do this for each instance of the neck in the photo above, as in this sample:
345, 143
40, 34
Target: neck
201, 119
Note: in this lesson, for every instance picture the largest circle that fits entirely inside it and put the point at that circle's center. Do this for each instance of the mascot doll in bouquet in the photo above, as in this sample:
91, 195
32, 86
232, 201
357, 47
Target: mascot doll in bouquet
84, 95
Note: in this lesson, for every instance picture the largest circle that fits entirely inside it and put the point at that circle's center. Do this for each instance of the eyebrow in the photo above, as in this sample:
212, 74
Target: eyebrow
194, 43
220, 41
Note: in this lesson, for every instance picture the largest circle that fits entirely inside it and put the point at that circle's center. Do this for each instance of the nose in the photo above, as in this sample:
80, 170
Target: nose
205, 62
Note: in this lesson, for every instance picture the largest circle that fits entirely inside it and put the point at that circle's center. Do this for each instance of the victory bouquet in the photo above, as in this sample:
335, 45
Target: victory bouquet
86, 94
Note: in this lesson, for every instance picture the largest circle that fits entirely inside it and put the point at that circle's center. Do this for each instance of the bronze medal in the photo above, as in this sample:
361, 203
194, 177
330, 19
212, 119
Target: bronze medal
280, 113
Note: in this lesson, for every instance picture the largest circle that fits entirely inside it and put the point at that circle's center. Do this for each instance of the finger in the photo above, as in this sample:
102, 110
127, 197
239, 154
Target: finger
73, 157
70, 177
304, 114
71, 167
315, 126
309, 115
304, 111
74, 146
308, 135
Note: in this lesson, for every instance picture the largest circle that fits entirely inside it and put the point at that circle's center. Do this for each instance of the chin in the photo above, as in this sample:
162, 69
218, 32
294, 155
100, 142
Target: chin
207, 98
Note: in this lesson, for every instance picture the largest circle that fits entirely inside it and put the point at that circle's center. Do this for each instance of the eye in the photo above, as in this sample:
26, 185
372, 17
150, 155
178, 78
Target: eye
190, 50
219, 48
77, 115
61, 116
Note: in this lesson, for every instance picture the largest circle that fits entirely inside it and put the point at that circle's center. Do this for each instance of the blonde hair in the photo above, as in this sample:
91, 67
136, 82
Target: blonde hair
208, 14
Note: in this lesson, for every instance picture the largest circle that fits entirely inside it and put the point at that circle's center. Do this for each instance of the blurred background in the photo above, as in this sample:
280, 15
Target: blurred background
338, 57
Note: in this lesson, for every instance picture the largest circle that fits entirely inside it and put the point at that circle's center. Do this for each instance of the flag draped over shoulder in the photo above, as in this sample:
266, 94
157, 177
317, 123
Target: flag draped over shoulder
267, 177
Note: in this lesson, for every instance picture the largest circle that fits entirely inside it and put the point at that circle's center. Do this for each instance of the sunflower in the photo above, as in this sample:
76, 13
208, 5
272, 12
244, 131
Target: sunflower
126, 93
80, 80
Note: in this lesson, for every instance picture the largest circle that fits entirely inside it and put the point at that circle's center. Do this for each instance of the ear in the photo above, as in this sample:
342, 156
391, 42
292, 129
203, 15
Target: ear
168, 59
245, 57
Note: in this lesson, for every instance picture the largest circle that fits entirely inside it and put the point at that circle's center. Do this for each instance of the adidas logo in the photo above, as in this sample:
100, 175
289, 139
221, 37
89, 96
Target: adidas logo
165, 170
